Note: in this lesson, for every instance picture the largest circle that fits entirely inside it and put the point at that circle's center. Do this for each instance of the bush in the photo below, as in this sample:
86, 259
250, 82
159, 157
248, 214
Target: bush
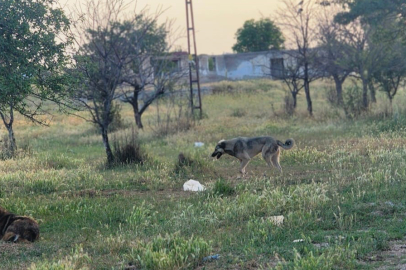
289, 105
127, 149
352, 101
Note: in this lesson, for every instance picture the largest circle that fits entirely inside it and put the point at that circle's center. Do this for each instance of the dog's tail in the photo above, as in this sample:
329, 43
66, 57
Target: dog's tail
287, 145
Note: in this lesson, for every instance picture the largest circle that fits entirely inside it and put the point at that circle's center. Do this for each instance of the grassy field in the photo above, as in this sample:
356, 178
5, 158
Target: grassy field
342, 190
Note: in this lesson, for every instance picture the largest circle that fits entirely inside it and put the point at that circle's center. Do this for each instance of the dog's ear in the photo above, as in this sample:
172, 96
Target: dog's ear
219, 155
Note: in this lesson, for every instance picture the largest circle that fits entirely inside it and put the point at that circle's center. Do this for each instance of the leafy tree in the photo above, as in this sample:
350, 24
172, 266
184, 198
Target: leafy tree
371, 11
391, 70
332, 49
377, 48
257, 36
31, 59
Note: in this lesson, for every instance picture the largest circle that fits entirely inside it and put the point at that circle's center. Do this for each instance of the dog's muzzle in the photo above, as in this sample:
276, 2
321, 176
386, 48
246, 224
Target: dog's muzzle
218, 154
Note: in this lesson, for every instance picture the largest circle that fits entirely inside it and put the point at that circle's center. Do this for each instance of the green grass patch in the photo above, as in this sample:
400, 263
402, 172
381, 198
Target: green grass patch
341, 193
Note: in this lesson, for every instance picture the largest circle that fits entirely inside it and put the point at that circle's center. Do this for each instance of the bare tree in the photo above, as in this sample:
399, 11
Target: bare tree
292, 77
298, 22
118, 51
100, 62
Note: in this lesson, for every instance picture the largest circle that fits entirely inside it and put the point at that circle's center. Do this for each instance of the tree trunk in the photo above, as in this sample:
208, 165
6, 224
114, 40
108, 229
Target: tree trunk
307, 90
294, 95
372, 91
339, 90
391, 105
138, 121
136, 109
12, 147
308, 98
365, 102
109, 153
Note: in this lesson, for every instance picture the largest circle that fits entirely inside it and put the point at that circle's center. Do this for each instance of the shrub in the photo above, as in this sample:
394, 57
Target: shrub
352, 101
127, 149
289, 105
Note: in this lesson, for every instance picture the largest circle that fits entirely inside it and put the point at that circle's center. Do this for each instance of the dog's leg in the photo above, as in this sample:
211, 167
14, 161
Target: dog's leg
267, 158
244, 164
245, 159
266, 155
275, 160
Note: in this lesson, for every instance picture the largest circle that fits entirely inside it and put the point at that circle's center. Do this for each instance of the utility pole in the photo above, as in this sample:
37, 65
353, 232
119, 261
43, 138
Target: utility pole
194, 80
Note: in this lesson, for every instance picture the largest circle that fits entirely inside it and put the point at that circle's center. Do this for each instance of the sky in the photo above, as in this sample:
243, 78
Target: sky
216, 21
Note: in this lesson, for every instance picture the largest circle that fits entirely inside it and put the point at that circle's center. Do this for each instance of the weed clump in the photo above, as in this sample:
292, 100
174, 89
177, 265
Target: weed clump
222, 188
183, 163
239, 112
223, 88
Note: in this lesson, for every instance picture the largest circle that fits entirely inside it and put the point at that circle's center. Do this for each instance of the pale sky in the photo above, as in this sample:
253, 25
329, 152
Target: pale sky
216, 21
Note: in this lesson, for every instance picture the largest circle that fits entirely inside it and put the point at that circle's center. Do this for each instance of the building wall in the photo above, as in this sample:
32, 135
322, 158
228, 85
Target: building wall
237, 66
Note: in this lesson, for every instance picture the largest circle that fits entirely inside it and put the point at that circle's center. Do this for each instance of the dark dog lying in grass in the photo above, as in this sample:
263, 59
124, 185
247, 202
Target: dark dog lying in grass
14, 228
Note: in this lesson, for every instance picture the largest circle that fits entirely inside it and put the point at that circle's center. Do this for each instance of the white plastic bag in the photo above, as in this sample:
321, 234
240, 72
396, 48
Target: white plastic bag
193, 185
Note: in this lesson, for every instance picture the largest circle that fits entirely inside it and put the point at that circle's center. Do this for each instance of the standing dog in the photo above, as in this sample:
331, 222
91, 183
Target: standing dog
246, 148
15, 228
